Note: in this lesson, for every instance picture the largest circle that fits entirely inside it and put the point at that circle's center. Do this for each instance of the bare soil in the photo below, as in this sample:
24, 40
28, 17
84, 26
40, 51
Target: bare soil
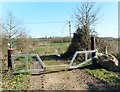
67, 80
76, 79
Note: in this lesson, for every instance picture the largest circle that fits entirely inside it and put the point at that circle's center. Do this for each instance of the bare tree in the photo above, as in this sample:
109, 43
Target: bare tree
11, 28
86, 15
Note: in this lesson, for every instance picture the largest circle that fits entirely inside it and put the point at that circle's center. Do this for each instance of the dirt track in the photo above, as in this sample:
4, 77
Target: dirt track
66, 80
77, 79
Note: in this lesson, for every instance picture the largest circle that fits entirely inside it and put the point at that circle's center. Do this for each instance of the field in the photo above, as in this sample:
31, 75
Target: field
86, 77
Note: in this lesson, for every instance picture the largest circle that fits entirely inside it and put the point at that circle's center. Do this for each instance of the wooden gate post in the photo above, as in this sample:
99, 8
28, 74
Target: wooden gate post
10, 52
93, 45
106, 50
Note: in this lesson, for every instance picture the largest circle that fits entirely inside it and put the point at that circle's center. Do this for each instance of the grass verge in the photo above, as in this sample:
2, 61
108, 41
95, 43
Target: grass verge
112, 78
15, 82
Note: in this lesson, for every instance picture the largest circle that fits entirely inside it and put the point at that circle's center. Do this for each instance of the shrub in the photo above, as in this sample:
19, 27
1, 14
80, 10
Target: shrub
60, 39
81, 41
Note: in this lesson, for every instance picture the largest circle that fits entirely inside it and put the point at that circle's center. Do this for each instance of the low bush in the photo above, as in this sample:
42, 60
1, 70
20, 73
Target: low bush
60, 39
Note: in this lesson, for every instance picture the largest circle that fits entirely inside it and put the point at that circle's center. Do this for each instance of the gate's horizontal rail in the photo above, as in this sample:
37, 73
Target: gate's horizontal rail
43, 65
78, 52
23, 55
33, 70
57, 65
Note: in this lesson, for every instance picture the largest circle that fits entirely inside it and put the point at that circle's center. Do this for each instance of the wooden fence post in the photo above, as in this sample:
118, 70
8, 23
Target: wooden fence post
106, 50
93, 45
10, 52
119, 51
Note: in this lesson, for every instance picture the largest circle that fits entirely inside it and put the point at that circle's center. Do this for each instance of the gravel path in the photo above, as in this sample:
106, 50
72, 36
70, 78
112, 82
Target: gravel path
66, 80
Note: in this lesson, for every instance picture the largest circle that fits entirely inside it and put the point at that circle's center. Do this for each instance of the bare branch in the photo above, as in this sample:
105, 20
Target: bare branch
4, 28
85, 14
11, 28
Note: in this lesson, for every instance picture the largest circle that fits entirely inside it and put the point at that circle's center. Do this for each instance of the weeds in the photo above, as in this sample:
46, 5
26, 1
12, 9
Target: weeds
110, 77
15, 82
21, 81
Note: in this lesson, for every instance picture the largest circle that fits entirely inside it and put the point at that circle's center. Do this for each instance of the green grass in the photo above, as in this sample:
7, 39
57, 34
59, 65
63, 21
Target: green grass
39, 51
51, 62
15, 82
103, 74
20, 63
114, 42
21, 81
61, 47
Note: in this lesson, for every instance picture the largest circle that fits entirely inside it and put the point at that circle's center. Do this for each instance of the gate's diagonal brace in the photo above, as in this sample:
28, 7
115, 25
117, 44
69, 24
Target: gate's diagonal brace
86, 57
26, 59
